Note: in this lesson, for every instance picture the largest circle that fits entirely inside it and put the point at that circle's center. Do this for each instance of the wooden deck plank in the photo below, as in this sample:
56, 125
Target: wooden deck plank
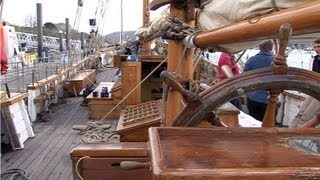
58, 150
62, 152
13, 156
58, 154
53, 140
34, 161
51, 154
42, 131
67, 173
54, 176
65, 160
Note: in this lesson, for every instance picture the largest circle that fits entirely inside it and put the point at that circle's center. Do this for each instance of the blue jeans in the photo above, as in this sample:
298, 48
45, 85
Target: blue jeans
237, 103
256, 109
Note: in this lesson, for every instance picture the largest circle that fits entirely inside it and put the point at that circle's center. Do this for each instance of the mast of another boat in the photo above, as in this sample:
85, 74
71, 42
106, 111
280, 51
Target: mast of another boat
1, 8
146, 19
121, 21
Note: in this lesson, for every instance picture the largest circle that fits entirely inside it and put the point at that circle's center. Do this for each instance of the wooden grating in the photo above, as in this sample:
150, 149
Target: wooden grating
140, 112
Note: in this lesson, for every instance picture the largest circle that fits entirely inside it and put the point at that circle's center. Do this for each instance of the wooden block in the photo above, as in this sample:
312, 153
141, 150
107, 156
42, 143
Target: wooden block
228, 114
99, 107
96, 112
131, 77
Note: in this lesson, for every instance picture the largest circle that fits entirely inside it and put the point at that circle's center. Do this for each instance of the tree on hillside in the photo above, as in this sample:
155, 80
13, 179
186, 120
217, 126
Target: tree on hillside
49, 25
30, 21
50, 29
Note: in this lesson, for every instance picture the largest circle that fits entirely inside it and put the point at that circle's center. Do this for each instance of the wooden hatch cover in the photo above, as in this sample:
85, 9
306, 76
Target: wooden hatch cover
234, 153
135, 120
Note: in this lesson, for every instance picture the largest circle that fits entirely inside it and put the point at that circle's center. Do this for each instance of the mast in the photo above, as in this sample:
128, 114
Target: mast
146, 19
180, 63
121, 21
1, 8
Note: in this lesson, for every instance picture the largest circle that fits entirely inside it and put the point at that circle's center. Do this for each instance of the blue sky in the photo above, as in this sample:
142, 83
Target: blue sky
15, 11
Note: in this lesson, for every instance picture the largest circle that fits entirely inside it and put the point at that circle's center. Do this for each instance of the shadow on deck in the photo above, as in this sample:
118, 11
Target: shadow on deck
46, 156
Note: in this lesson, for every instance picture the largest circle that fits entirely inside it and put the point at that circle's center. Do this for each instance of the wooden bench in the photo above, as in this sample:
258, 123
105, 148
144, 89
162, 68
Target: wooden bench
102, 161
76, 83
228, 114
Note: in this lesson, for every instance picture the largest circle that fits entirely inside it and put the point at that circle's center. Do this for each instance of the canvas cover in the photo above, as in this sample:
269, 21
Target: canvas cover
155, 26
218, 13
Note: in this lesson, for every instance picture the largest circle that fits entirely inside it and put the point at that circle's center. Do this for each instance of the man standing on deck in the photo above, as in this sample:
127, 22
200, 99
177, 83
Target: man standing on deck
227, 67
310, 106
316, 59
257, 102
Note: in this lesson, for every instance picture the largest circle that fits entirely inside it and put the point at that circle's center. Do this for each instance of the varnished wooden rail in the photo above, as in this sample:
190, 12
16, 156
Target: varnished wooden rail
303, 19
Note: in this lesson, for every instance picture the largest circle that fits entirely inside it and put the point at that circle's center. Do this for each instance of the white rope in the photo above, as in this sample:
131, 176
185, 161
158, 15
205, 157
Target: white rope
96, 132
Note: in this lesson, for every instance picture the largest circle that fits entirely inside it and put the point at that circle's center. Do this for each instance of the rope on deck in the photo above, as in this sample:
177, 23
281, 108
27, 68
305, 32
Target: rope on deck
97, 132
15, 173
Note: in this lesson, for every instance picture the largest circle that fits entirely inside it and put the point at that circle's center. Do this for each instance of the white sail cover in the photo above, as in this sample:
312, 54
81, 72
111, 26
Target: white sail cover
220, 13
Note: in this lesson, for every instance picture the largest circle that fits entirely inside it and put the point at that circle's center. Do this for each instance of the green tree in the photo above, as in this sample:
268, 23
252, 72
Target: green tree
50, 29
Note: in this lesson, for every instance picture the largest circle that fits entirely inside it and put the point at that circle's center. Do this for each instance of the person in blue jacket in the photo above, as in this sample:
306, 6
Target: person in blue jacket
257, 102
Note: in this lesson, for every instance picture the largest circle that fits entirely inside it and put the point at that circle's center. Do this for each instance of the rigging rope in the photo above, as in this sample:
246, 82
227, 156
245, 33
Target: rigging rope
124, 98
95, 132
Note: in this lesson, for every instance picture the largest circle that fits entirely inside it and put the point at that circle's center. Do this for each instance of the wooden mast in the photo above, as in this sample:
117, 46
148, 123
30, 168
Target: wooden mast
146, 19
179, 63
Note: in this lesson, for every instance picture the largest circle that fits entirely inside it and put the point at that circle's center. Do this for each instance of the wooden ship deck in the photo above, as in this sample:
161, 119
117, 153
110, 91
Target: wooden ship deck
47, 155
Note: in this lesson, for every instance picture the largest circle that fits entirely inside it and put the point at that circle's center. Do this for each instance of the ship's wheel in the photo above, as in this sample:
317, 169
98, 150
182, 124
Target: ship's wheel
301, 80
275, 79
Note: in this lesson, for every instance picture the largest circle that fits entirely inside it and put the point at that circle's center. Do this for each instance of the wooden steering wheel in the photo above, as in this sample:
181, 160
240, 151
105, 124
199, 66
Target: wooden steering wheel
274, 79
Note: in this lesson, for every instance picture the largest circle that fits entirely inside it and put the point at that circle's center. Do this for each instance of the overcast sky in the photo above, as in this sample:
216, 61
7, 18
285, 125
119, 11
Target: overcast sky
15, 11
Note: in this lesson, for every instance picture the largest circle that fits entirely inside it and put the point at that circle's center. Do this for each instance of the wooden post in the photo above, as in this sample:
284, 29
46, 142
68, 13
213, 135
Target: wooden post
279, 66
131, 76
146, 19
182, 65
